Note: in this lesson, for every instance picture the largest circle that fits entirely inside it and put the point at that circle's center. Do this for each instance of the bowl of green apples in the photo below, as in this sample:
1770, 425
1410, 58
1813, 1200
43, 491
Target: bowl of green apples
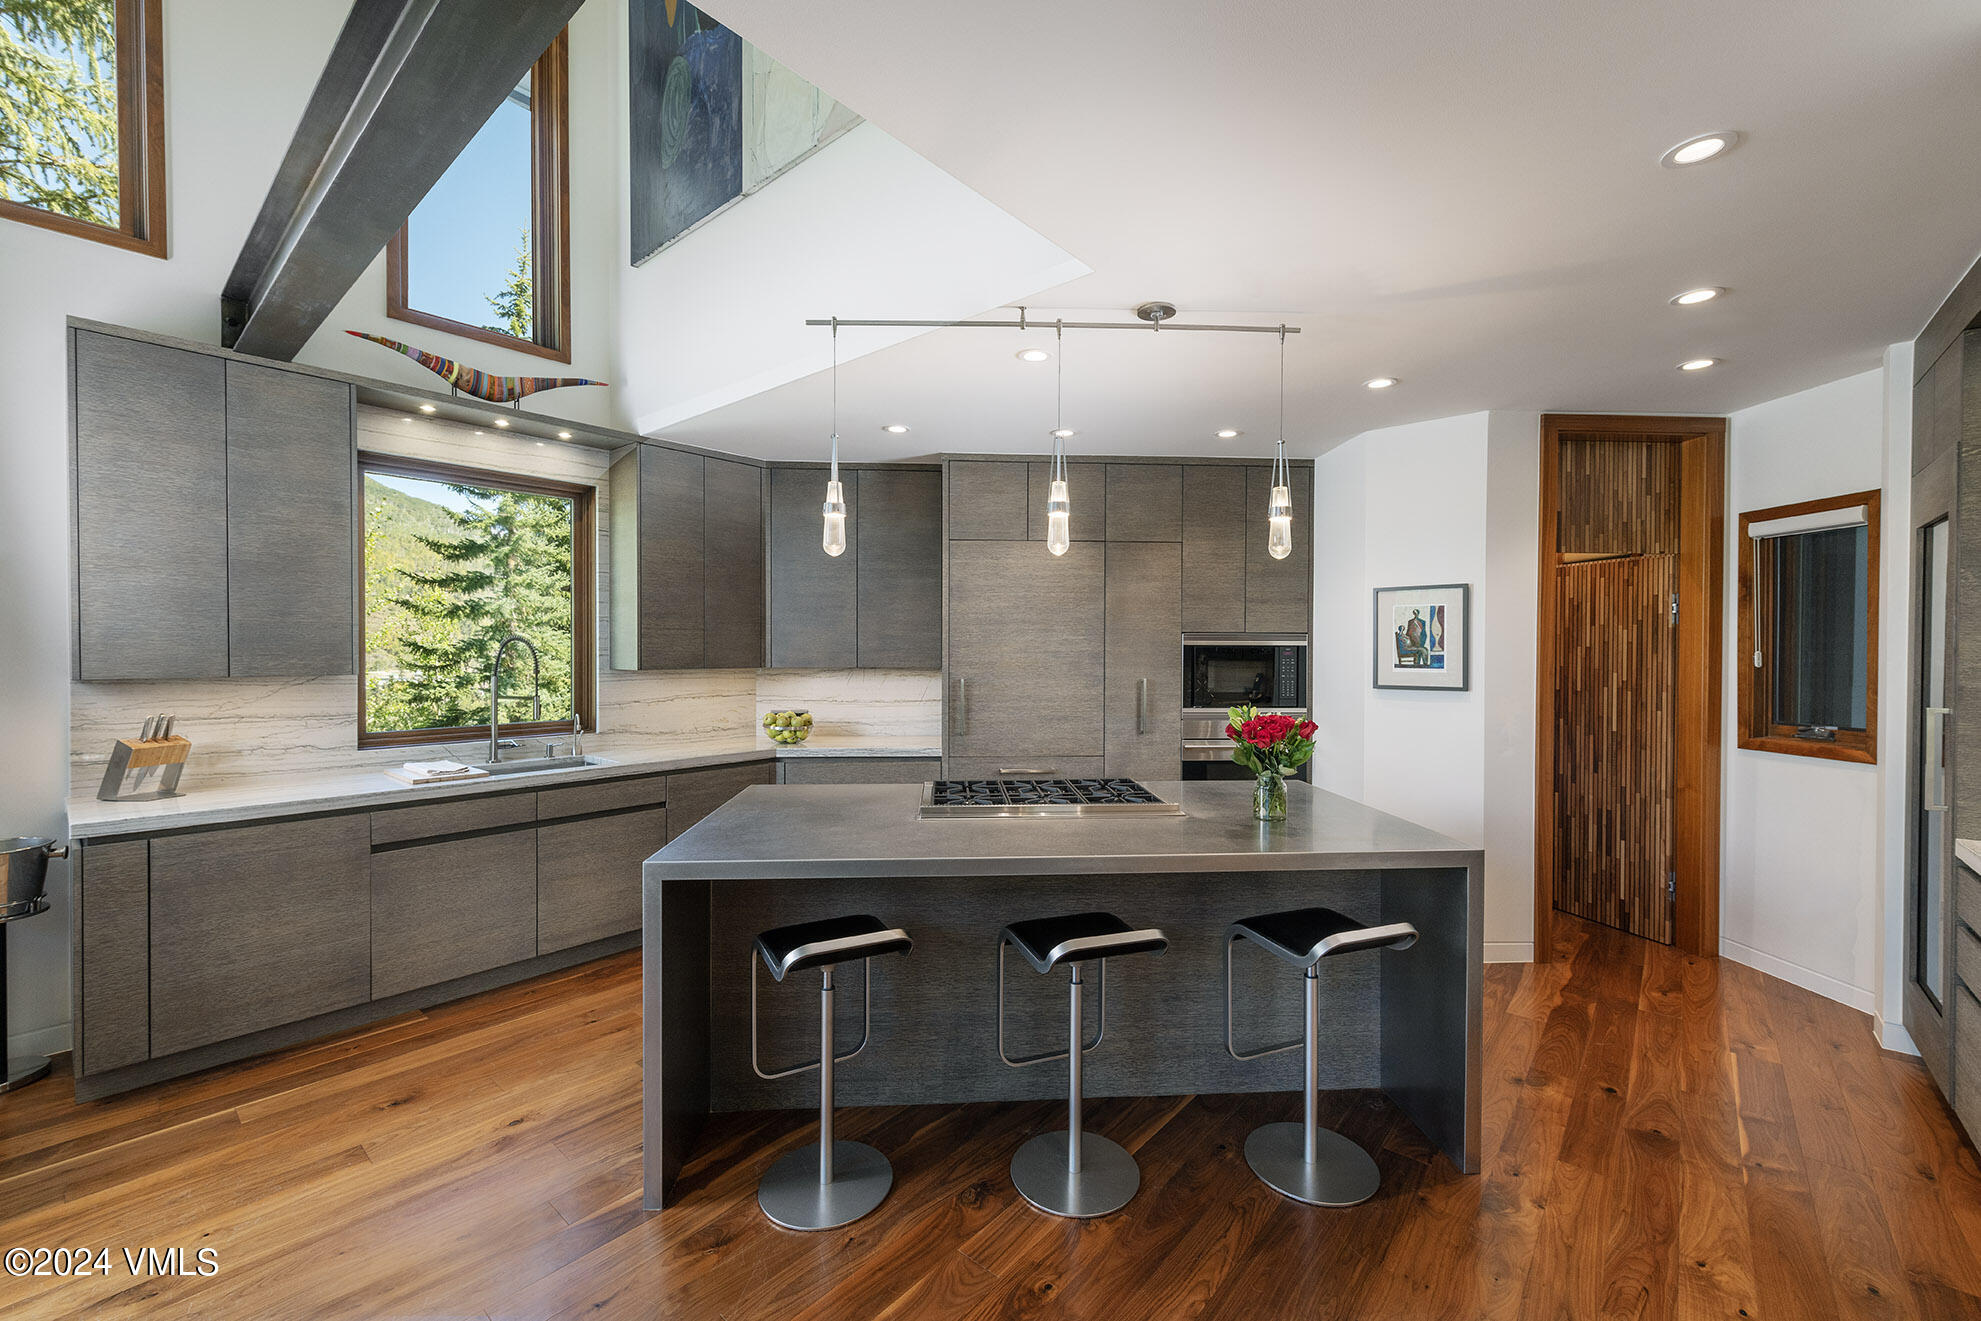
788, 727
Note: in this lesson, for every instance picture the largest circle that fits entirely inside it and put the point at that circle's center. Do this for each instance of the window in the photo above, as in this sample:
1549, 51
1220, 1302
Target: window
1809, 628
456, 560
82, 109
486, 254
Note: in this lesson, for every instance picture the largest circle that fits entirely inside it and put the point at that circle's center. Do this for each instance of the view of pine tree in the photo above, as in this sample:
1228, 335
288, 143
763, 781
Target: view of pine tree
58, 106
515, 303
444, 586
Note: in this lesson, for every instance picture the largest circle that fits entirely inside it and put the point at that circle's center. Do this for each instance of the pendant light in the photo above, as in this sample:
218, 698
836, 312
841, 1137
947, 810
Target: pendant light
835, 494
1059, 534
1279, 511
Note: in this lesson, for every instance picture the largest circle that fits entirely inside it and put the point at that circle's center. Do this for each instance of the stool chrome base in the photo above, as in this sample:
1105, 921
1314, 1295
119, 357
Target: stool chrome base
1341, 1173
792, 1196
1107, 1179
21, 1071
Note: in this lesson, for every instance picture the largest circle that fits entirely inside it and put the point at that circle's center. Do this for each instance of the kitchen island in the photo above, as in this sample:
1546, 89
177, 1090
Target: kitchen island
1407, 1023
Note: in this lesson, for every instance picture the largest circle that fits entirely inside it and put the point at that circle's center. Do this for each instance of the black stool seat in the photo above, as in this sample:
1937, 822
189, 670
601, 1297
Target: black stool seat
827, 941
1305, 936
1047, 942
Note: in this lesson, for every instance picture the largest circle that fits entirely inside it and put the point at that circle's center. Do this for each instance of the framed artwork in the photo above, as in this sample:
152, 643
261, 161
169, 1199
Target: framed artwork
1423, 637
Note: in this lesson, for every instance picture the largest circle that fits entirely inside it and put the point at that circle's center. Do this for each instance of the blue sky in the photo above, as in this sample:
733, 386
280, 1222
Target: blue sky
465, 232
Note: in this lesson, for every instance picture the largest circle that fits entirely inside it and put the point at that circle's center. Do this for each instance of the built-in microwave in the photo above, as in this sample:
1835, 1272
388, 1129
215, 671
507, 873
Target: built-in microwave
1223, 670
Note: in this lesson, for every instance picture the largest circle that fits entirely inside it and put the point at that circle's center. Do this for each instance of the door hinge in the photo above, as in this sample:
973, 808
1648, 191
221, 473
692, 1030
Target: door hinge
1671, 888
1674, 607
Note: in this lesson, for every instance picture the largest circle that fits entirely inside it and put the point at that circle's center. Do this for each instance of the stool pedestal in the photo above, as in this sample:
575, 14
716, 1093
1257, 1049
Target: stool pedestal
1075, 1173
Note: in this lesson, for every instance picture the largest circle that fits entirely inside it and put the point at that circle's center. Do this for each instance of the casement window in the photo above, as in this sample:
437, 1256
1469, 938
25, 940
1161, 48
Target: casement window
486, 253
455, 560
82, 109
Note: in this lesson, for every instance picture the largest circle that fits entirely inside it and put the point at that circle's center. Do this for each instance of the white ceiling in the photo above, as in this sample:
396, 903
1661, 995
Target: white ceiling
1466, 196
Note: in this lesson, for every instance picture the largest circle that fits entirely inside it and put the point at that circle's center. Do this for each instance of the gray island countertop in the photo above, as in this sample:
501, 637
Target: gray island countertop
830, 831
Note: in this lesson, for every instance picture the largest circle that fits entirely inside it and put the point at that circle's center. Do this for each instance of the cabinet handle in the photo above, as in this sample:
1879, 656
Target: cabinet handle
1933, 780
1141, 706
959, 714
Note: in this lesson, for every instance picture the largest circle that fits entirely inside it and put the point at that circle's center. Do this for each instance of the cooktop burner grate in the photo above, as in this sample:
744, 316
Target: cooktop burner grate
1056, 797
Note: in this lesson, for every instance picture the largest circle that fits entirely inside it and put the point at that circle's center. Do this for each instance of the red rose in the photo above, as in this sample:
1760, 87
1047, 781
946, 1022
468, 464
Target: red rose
1307, 728
1231, 732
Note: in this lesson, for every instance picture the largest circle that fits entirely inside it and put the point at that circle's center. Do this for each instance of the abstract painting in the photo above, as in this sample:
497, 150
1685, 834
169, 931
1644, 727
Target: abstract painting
713, 120
472, 380
1420, 636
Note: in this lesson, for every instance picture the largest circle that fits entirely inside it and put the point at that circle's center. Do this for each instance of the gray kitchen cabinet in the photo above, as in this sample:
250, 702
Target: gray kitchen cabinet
112, 985
733, 608
1021, 768
858, 770
692, 795
1144, 689
1024, 650
659, 560
290, 597
588, 876
1214, 534
1277, 592
900, 569
987, 500
450, 908
814, 597
150, 476
1144, 502
256, 926
1086, 492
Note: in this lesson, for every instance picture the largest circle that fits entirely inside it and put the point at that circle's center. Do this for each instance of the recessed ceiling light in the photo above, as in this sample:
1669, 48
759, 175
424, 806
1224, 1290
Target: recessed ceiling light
1693, 297
426, 408
540, 444
1380, 382
501, 421
1229, 433
1705, 147
895, 429
1064, 433
1698, 364
405, 419
564, 435
478, 433
1033, 355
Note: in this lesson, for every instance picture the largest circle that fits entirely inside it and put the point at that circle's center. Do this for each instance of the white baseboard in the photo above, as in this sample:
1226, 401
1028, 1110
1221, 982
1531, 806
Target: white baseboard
42, 1041
1830, 988
1893, 1036
1509, 951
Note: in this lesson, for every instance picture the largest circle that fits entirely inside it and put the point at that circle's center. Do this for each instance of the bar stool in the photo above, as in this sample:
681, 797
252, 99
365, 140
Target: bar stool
1073, 1173
1305, 1161
828, 1183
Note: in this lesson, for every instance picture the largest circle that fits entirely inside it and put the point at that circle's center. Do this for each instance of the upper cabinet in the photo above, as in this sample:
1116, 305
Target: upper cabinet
878, 605
1214, 540
814, 597
987, 500
213, 501
1144, 501
1278, 593
687, 561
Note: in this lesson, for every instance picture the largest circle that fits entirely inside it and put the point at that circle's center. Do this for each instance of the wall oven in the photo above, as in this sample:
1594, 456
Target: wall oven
1223, 670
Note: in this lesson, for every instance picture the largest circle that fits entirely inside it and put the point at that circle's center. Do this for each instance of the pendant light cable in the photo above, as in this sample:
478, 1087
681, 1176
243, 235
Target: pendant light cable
1279, 509
1059, 404
834, 509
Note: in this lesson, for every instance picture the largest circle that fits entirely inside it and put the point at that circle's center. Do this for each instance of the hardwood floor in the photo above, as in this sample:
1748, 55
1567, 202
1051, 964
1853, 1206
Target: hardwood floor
1666, 1136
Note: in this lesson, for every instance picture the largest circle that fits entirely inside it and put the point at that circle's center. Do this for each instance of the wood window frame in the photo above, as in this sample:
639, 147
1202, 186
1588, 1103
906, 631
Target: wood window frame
550, 235
1759, 731
1697, 704
140, 141
584, 602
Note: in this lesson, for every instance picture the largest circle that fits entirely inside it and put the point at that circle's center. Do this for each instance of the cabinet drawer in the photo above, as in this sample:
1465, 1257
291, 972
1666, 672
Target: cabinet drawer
609, 796
455, 817
1967, 958
860, 770
1967, 895
1967, 1060
588, 876
441, 911
692, 795
1019, 768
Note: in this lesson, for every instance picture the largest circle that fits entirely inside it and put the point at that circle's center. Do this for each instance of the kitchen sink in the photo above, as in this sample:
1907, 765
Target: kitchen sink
535, 765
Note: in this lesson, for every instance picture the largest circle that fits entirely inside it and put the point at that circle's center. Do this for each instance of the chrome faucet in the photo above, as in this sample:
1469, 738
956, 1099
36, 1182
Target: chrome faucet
495, 692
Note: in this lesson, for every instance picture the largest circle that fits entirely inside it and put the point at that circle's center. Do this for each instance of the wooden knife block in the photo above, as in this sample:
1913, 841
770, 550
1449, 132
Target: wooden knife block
130, 757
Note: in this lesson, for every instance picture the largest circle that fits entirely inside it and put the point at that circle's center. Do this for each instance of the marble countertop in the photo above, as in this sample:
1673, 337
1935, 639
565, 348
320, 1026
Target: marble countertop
835, 831
243, 799
1968, 851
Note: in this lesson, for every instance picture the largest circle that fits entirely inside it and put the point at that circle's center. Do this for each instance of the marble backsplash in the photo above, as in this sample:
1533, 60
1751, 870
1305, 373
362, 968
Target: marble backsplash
892, 702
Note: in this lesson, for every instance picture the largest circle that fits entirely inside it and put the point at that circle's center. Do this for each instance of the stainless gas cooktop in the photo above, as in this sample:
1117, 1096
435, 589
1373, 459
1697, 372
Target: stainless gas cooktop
1018, 798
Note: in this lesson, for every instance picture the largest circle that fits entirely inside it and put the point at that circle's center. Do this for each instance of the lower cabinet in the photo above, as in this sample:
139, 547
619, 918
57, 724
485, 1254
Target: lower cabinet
113, 994
448, 909
257, 926
858, 770
588, 876
692, 795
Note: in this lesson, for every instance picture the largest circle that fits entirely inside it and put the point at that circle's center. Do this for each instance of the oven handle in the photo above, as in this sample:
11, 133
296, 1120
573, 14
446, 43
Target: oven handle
1207, 749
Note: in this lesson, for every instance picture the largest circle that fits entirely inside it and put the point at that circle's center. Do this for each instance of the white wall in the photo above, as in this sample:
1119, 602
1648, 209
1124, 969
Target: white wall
1802, 880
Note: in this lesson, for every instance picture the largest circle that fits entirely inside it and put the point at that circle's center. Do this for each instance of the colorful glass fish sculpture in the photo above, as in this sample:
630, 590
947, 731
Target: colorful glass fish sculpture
495, 389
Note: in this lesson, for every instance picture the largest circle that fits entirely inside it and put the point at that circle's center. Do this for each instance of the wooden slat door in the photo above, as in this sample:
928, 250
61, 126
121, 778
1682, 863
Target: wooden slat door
1613, 789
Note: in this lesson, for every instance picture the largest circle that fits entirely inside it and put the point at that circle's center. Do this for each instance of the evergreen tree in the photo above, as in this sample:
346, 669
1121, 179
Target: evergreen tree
515, 302
58, 106
507, 569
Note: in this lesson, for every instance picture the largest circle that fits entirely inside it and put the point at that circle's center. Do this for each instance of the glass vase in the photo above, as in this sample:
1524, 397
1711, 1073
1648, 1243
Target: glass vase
1269, 798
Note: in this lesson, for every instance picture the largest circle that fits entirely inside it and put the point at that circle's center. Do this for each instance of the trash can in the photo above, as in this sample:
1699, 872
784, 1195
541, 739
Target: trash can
23, 885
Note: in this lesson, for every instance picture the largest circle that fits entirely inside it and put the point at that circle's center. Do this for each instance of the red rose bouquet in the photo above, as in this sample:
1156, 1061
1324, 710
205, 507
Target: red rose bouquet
1271, 746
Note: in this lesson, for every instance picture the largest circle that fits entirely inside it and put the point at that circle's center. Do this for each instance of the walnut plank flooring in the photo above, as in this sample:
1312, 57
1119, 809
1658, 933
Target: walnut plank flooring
1665, 1137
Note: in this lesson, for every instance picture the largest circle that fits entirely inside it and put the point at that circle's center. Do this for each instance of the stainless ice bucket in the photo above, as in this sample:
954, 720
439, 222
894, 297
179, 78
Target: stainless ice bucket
24, 873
